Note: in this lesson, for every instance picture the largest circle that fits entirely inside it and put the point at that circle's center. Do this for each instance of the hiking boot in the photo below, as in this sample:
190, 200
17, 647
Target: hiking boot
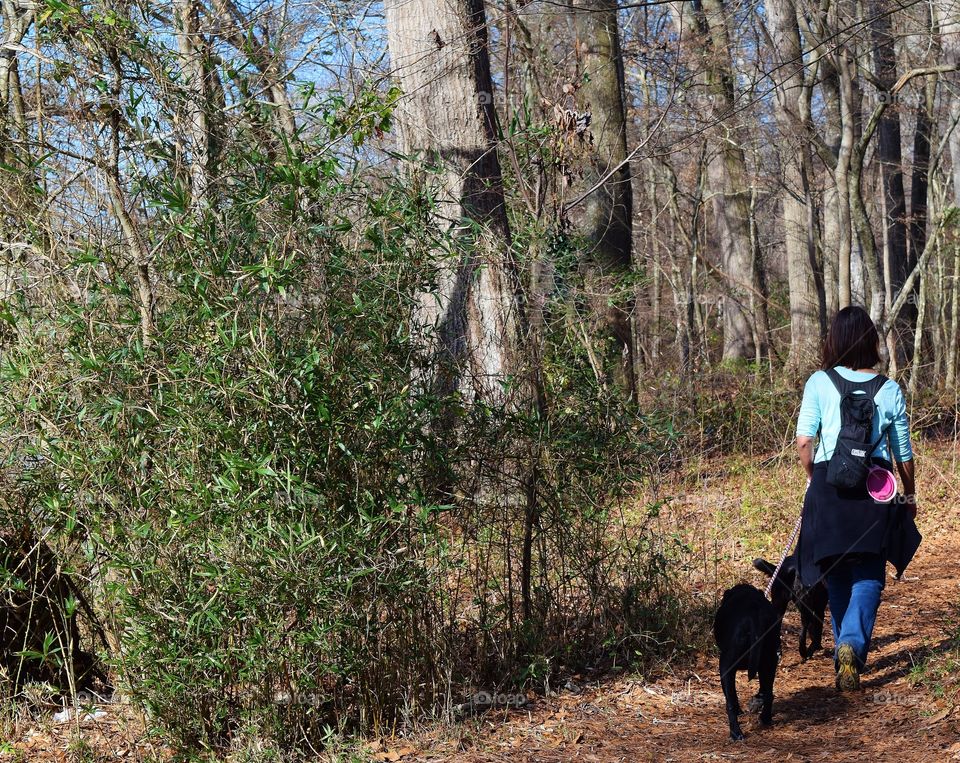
848, 677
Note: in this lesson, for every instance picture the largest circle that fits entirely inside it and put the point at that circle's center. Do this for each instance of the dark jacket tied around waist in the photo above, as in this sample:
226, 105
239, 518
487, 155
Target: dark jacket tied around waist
838, 522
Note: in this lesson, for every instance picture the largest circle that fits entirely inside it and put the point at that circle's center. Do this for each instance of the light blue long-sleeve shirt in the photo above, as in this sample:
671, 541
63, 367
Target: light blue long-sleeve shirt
820, 410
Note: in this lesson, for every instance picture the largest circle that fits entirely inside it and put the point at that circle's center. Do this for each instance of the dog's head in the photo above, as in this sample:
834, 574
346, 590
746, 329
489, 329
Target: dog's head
782, 591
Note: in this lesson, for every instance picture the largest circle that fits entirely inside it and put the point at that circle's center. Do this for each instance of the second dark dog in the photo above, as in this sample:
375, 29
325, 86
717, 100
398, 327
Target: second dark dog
747, 630
811, 602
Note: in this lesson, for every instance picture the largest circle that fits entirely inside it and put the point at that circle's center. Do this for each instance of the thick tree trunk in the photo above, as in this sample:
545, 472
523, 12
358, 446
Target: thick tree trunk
683, 268
469, 325
606, 223
889, 153
705, 37
730, 185
919, 193
656, 265
829, 236
787, 68
868, 246
597, 207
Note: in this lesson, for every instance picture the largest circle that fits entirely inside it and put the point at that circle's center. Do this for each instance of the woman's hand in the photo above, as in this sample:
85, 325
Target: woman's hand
805, 451
907, 474
911, 501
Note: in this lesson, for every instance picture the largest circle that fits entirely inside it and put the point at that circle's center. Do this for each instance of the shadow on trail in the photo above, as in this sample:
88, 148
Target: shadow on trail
897, 664
887, 638
812, 705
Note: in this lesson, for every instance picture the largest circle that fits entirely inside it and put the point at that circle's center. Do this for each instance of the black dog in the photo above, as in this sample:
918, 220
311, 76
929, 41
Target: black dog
747, 630
811, 602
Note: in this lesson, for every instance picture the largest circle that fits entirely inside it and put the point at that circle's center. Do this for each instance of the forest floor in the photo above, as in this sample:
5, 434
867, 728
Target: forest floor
908, 709
723, 514
681, 716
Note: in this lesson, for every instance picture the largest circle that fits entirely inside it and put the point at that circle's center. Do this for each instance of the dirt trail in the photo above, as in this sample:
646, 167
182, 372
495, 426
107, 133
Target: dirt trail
682, 717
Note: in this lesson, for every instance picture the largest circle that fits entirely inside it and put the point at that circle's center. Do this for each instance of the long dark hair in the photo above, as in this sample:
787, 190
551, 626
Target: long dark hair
852, 341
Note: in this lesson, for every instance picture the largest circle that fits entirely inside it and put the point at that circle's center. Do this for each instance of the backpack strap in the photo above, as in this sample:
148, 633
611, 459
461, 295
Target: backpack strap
873, 389
874, 385
845, 387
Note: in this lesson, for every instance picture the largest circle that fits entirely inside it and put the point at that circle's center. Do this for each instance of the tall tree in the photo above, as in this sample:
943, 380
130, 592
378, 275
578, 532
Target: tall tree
705, 40
18, 171
791, 93
848, 101
889, 152
470, 323
607, 221
947, 15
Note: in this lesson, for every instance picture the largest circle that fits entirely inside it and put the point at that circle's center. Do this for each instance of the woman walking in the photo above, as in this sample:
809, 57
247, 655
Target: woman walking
846, 534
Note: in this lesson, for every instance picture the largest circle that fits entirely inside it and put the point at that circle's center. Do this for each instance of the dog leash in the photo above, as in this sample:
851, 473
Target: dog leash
783, 557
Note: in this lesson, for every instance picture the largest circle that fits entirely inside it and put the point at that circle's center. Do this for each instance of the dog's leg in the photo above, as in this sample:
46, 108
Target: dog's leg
728, 682
816, 634
767, 674
817, 614
805, 651
819, 610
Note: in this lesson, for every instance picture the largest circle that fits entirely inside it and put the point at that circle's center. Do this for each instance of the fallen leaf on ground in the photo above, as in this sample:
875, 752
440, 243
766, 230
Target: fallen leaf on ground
393, 755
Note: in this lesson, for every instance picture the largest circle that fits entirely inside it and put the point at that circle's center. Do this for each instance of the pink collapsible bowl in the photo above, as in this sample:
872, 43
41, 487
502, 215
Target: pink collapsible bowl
881, 484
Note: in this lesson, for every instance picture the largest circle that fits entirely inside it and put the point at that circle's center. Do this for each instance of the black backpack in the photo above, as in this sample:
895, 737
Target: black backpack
851, 458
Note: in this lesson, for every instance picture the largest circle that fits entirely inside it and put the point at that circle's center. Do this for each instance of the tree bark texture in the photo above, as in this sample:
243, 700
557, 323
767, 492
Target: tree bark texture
191, 46
702, 28
469, 322
787, 67
607, 220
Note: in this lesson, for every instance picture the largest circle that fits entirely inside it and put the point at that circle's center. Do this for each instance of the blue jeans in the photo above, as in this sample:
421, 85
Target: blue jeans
853, 587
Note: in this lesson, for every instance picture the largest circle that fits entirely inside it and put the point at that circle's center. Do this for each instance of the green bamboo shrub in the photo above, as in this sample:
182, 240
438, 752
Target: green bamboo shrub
249, 493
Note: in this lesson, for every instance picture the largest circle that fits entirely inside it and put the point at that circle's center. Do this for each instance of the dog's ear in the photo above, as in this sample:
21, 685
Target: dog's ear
762, 565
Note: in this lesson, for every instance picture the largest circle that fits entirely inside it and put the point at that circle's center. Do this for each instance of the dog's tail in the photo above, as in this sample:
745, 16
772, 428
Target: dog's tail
762, 565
